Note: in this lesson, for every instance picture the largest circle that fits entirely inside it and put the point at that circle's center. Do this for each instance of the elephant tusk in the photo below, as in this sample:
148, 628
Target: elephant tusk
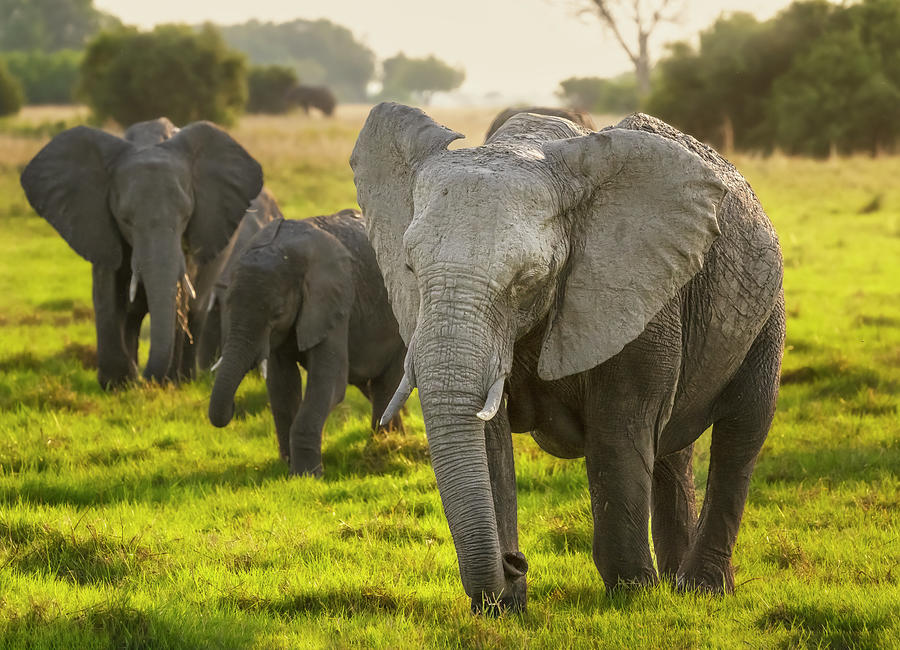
492, 403
216, 364
189, 287
404, 390
264, 368
133, 287
212, 303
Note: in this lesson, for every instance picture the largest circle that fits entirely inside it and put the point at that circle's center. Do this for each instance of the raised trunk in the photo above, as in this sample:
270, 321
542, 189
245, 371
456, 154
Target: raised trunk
240, 355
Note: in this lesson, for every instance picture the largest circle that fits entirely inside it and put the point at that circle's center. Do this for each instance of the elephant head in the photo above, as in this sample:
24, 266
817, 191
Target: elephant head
158, 204
294, 281
548, 230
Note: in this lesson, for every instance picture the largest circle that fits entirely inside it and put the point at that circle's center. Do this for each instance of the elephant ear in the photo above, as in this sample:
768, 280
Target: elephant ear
224, 178
645, 216
393, 144
68, 182
327, 292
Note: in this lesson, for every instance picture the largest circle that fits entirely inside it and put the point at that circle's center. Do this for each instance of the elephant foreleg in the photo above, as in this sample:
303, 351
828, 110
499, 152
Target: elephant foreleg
115, 362
284, 386
501, 464
674, 519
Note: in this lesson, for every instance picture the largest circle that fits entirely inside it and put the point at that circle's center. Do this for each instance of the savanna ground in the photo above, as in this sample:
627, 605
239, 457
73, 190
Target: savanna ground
127, 520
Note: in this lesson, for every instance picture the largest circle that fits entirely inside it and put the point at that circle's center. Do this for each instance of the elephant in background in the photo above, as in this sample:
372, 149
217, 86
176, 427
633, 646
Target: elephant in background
578, 117
262, 210
153, 213
309, 292
307, 97
622, 288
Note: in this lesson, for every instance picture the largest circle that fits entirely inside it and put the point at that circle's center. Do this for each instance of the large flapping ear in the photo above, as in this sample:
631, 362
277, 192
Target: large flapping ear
327, 292
645, 216
68, 182
394, 142
224, 178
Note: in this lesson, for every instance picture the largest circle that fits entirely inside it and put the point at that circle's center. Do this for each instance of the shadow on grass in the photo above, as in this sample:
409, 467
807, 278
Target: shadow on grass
118, 625
838, 379
835, 464
159, 487
86, 558
825, 626
345, 602
362, 452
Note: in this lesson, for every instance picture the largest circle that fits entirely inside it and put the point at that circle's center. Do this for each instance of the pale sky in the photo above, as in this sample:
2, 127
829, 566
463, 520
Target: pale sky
521, 48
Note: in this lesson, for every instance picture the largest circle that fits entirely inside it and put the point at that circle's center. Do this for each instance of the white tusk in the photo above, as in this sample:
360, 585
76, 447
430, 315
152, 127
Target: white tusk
132, 288
216, 364
212, 303
492, 403
264, 368
404, 390
190, 287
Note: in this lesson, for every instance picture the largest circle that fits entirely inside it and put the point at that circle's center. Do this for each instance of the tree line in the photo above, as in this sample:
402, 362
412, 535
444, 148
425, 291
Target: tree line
60, 51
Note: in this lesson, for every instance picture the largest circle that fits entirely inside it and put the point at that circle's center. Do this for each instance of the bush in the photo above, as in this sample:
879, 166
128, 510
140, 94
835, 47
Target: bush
10, 92
268, 87
46, 78
618, 95
186, 75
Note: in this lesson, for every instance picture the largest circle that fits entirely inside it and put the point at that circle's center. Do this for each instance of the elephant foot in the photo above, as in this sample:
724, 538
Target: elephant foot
514, 598
711, 577
112, 380
306, 467
623, 584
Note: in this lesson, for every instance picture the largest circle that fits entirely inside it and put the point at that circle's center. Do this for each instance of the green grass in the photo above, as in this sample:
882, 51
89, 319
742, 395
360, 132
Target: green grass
126, 520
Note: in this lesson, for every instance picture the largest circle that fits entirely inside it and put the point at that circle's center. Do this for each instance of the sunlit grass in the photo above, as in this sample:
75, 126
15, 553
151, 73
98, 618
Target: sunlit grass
128, 520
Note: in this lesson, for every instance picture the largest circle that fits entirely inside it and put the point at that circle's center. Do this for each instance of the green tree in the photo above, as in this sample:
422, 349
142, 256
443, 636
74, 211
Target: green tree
268, 87
404, 78
186, 75
50, 25
46, 77
320, 52
617, 95
10, 92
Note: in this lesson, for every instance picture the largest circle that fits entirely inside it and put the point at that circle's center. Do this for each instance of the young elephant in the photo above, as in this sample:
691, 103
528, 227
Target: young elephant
309, 292
153, 213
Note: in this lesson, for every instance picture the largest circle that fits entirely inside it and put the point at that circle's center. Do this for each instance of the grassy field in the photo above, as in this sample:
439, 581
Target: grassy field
127, 520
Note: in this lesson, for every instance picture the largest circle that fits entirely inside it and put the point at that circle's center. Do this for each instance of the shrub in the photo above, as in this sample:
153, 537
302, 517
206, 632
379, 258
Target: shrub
46, 78
268, 86
186, 75
618, 95
10, 92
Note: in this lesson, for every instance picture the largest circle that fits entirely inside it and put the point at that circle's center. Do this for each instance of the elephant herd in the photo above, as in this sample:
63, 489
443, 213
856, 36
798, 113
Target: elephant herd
614, 293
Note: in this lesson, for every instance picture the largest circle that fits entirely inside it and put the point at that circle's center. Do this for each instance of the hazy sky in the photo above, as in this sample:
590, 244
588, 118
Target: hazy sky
522, 48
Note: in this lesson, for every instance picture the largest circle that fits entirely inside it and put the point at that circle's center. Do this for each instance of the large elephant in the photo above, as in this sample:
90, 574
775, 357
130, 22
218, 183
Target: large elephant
578, 117
622, 287
263, 209
307, 97
153, 213
309, 292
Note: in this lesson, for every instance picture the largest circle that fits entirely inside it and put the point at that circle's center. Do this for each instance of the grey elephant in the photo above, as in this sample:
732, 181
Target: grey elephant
578, 117
152, 212
309, 292
263, 210
622, 288
306, 97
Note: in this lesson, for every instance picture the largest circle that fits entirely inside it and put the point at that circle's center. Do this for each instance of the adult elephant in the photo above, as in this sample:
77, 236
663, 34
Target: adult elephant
309, 292
578, 117
622, 287
152, 213
306, 97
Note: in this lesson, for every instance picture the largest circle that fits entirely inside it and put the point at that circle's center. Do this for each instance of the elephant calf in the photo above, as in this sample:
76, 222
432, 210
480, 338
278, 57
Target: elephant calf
309, 292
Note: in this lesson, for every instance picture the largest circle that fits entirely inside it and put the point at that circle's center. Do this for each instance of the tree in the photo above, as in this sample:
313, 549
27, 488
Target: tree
645, 16
173, 71
10, 92
319, 51
403, 77
50, 25
46, 77
593, 94
268, 87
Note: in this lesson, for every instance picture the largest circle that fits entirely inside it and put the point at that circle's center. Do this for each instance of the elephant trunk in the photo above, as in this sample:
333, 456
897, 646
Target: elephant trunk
161, 275
241, 353
456, 365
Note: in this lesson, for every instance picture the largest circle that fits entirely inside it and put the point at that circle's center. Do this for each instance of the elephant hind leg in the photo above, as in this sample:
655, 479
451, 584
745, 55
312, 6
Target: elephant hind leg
674, 510
744, 414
